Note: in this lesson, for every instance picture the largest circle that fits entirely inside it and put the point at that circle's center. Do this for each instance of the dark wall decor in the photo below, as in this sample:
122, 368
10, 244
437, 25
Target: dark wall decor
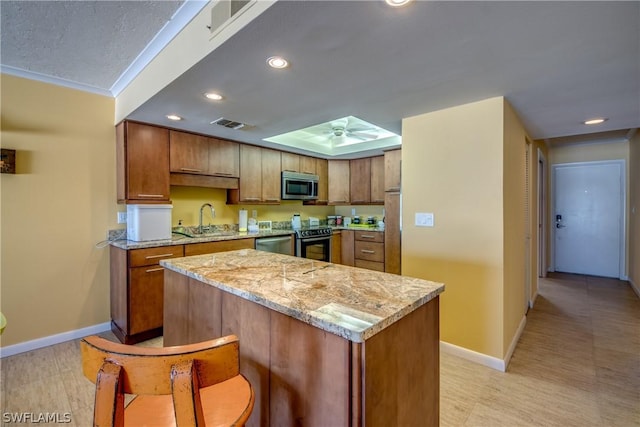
8, 160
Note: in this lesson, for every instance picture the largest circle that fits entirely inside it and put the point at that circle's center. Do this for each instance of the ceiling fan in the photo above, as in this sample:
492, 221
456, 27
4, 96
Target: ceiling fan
345, 132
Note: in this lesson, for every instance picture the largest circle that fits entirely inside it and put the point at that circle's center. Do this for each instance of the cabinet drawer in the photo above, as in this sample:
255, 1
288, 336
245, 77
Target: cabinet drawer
370, 265
370, 251
152, 256
369, 236
219, 246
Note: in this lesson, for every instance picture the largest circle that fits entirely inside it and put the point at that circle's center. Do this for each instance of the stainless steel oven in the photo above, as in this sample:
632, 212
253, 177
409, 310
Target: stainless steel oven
314, 243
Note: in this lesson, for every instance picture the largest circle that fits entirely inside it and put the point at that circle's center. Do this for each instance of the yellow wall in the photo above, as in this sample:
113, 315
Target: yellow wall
634, 209
58, 205
452, 165
187, 202
515, 228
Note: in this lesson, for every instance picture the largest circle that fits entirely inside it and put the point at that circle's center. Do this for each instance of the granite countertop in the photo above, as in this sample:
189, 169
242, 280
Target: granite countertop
351, 302
179, 239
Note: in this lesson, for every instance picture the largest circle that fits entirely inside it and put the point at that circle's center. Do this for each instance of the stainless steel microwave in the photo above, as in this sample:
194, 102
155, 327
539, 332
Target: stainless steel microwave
299, 186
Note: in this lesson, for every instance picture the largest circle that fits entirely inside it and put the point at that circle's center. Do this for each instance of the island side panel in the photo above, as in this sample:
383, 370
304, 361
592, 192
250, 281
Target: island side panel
402, 371
310, 375
250, 322
192, 310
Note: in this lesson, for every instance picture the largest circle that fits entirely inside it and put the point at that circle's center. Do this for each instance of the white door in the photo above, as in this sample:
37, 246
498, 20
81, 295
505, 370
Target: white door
588, 218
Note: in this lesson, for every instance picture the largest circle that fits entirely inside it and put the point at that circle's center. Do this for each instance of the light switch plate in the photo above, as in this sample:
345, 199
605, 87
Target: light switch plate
122, 217
424, 219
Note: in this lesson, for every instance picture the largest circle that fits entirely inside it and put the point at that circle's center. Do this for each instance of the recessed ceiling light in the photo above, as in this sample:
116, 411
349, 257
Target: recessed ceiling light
213, 96
173, 117
397, 3
277, 62
596, 121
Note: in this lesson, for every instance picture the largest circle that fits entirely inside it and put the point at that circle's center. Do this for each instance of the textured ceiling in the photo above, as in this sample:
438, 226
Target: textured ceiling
558, 63
88, 42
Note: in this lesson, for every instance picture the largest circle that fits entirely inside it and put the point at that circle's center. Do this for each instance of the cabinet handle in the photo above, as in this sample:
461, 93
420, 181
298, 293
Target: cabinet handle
271, 200
191, 170
223, 173
152, 196
251, 199
155, 269
157, 256
367, 236
366, 251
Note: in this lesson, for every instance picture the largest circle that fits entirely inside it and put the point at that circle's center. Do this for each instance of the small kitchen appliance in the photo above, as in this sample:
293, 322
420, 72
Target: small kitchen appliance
296, 223
242, 220
148, 222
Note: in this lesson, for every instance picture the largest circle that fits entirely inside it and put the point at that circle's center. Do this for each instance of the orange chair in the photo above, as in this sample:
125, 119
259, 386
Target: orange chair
196, 384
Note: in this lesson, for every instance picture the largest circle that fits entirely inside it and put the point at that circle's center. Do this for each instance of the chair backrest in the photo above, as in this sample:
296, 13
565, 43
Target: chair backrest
148, 371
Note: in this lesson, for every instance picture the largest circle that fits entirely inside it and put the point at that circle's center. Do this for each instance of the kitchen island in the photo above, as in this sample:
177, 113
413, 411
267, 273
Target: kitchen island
322, 344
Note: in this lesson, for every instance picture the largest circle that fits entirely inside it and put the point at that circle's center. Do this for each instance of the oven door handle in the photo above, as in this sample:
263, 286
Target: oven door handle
314, 239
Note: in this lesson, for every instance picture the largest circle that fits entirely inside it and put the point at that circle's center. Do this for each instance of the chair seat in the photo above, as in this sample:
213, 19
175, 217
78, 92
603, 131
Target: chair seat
224, 404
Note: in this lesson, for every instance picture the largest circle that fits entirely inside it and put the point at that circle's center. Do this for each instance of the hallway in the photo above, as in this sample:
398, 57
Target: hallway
576, 364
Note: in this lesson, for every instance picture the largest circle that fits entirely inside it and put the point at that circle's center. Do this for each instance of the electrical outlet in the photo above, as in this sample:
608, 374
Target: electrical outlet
254, 214
424, 219
122, 217
353, 211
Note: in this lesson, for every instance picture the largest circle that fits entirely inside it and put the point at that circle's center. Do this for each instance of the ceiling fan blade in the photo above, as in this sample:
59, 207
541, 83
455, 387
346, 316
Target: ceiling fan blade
363, 135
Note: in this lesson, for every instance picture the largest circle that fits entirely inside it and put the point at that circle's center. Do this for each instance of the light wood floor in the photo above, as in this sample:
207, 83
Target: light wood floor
577, 364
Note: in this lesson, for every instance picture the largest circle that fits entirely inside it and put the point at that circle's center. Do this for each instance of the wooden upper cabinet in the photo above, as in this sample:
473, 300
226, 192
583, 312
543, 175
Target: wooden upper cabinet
308, 165
250, 174
339, 178
377, 180
290, 162
260, 176
224, 158
360, 182
322, 170
142, 153
271, 176
392, 167
189, 153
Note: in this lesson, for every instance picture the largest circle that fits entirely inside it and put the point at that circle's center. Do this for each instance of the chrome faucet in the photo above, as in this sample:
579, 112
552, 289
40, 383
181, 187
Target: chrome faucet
213, 215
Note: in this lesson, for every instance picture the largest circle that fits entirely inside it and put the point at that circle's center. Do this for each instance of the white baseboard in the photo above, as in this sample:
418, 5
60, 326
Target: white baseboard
484, 359
23, 347
635, 287
532, 301
473, 356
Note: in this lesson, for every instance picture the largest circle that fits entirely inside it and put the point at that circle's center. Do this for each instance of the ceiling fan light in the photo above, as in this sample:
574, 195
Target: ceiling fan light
174, 117
213, 96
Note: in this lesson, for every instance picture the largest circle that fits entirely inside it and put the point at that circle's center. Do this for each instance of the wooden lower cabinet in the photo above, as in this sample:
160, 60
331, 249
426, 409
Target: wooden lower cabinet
346, 245
392, 235
303, 375
137, 287
368, 250
336, 247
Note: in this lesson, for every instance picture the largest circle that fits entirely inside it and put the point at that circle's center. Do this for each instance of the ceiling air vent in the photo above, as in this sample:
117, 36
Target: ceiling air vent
228, 123
223, 11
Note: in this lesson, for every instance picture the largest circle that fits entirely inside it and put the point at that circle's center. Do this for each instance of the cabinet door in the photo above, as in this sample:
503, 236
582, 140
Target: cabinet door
224, 158
147, 163
250, 174
392, 246
308, 165
290, 162
360, 170
339, 177
336, 247
146, 295
271, 177
322, 169
392, 167
377, 180
189, 153
347, 247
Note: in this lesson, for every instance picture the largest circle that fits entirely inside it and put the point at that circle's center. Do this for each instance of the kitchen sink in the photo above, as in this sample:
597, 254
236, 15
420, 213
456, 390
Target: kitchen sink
203, 235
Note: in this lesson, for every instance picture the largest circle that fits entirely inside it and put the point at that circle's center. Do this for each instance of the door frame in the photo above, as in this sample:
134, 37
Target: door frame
541, 214
622, 264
